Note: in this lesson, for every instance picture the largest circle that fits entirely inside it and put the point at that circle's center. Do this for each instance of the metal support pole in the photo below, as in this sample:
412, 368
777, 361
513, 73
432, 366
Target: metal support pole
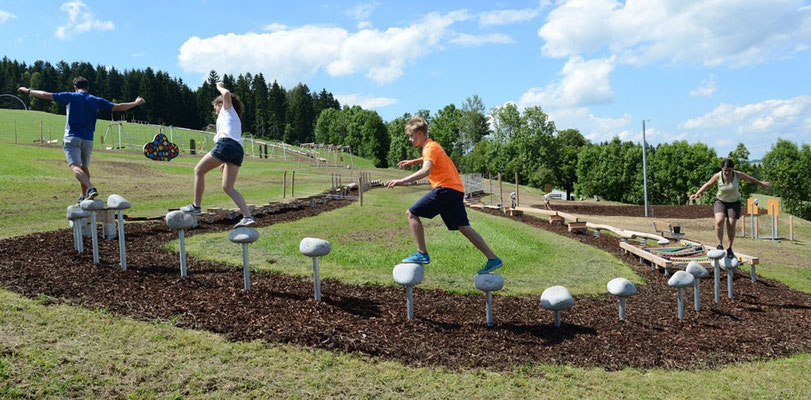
489, 310
122, 250
717, 280
316, 280
246, 272
644, 167
182, 253
410, 302
94, 234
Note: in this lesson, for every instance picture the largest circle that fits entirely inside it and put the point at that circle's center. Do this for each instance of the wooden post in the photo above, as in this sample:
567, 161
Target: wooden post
293, 185
284, 191
500, 193
517, 196
360, 190
757, 227
791, 227
491, 188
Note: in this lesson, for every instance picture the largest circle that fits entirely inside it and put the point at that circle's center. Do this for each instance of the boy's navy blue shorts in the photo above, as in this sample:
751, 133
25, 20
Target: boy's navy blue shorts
448, 203
228, 151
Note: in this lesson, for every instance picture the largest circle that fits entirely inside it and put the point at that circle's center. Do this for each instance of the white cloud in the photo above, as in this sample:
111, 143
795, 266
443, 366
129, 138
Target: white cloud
734, 33
468, 40
756, 125
5, 16
706, 89
506, 17
80, 19
584, 82
296, 54
364, 100
361, 12
276, 27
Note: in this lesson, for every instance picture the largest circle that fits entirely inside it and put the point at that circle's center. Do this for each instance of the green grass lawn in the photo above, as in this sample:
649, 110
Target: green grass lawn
368, 241
59, 351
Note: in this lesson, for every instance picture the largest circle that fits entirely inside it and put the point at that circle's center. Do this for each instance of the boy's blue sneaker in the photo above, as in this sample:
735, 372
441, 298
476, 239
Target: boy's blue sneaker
418, 258
81, 199
491, 266
91, 194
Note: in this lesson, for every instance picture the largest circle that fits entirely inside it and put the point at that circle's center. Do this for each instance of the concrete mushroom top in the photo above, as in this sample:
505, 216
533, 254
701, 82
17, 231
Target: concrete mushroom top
92, 204
314, 247
716, 254
488, 282
408, 274
117, 202
178, 220
76, 212
557, 298
621, 287
243, 235
729, 263
681, 279
663, 241
697, 270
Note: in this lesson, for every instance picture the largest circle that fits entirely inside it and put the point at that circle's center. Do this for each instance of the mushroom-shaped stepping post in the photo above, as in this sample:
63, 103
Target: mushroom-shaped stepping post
698, 271
557, 299
314, 247
729, 265
715, 256
623, 289
409, 275
180, 221
681, 280
118, 203
245, 236
92, 206
488, 283
76, 215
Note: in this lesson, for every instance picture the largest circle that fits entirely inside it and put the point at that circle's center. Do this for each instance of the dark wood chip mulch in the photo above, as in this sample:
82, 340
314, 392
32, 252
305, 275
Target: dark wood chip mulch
765, 320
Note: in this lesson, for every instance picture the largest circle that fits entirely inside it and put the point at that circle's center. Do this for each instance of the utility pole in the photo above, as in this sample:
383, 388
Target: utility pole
644, 167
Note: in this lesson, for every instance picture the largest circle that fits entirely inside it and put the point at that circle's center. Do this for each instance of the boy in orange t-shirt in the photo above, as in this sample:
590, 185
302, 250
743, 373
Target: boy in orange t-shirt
446, 198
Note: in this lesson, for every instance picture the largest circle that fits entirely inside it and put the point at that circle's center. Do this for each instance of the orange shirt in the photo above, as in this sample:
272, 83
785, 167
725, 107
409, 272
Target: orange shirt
443, 173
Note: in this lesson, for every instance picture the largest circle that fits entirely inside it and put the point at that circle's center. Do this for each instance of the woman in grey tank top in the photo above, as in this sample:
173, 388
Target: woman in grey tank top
727, 206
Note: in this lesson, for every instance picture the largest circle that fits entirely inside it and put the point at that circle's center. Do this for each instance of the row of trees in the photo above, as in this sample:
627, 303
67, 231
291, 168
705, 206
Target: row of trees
271, 111
505, 139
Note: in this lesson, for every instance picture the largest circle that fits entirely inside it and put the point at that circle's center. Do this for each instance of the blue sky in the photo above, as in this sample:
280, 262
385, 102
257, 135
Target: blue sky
719, 72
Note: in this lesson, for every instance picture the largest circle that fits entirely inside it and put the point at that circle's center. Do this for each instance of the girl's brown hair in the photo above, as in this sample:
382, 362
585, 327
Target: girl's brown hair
235, 102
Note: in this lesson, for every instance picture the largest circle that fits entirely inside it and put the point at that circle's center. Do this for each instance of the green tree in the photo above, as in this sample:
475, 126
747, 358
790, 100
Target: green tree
570, 142
788, 168
277, 99
300, 118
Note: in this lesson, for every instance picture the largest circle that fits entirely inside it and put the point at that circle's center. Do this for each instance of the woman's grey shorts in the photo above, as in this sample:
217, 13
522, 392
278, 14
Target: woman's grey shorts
77, 150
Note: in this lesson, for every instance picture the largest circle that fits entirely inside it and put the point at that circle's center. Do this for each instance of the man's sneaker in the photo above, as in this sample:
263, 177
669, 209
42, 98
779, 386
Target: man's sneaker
81, 199
191, 209
491, 266
418, 258
91, 194
730, 254
245, 222
719, 247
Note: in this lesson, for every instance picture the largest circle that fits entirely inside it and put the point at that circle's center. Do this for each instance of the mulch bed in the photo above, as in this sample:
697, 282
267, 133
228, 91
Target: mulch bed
765, 320
654, 211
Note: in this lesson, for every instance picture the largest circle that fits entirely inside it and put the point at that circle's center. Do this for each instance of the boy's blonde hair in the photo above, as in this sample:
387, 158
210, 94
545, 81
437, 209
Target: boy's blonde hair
417, 124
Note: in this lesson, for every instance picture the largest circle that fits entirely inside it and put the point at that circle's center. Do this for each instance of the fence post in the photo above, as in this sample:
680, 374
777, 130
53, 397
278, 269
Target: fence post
500, 193
284, 190
293, 185
360, 189
517, 196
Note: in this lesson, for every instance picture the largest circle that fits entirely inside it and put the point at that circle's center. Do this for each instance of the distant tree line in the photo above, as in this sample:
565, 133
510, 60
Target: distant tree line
502, 140
271, 111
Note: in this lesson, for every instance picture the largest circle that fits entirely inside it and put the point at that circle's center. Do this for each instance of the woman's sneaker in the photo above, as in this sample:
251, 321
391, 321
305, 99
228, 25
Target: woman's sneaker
730, 254
491, 266
418, 258
91, 194
245, 222
191, 209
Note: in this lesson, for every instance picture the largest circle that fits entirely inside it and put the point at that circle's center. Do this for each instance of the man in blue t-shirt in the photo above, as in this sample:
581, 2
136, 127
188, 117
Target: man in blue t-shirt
82, 108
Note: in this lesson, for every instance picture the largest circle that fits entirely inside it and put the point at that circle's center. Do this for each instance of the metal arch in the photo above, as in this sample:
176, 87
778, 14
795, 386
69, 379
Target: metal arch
18, 99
